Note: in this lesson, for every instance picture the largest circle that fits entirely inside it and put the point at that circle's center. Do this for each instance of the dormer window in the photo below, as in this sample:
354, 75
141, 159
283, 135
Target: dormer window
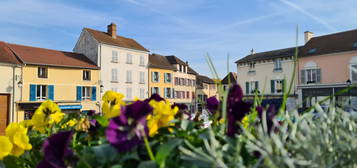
312, 51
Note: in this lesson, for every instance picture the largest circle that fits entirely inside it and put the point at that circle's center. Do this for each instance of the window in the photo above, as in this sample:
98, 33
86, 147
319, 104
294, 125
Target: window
180, 68
142, 78
41, 92
129, 59
309, 76
251, 87
277, 86
114, 75
177, 94
187, 95
42, 72
168, 93
128, 93
114, 56
142, 93
128, 77
168, 77
193, 83
251, 66
142, 61
86, 93
205, 86
277, 65
182, 81
183, 94
312, 51
155, 76
353, 69
354, 45
189, 82
155, 90
86, 75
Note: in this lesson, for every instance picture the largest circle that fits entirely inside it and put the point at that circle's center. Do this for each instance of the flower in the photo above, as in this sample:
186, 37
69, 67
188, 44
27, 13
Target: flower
112, 101
5, 146
237, 109
161, 116
155, 97
56, 149
83, 124
125, 131
17, 135
245, 121
212, 104
47, 114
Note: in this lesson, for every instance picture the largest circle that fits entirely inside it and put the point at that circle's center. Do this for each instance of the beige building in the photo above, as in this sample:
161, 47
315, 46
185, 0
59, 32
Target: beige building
123, 61
10, 85
268, 73
205, 88
69, 79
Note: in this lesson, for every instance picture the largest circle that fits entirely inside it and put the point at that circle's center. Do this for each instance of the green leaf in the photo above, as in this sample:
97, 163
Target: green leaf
165, 150
105, 153
10, 162
102, 121
147, 164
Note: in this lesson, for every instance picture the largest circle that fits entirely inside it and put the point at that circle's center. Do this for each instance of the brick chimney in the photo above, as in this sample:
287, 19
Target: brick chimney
112, 30
308, 35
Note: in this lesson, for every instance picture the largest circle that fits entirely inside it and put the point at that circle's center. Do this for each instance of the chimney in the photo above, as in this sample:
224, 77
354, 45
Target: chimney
112, 30
308, 35
252, 51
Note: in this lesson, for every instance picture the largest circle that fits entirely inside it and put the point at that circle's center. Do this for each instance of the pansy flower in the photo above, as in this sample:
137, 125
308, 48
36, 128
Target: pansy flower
112, 102
212, 104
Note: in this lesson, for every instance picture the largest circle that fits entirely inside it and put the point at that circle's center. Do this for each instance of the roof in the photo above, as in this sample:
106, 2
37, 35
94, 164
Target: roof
41, 56
280, 53
204, 79
119, 41
6, 55
331, 43
174, 60
191, 71
159, 61
231, 76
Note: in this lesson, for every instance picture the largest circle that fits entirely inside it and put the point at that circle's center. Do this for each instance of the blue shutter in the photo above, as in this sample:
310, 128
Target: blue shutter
165, 93
51, 94
32, 92
152, 77
158, 76
79, 93
94, 93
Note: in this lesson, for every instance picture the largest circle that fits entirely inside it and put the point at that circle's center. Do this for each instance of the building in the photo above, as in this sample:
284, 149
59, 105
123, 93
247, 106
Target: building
69, 79
268, 73
161, 77
123, 61
205, 88
229, 80
328, 64
184, 82
10, 86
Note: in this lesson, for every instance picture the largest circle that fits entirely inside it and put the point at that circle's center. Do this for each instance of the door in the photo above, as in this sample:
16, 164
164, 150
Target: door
4, 112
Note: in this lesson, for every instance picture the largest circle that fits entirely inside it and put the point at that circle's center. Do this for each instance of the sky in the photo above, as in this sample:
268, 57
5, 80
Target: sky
190, 29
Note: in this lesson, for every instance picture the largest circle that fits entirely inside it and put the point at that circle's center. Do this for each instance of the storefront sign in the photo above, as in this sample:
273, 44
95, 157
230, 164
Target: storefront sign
70, 107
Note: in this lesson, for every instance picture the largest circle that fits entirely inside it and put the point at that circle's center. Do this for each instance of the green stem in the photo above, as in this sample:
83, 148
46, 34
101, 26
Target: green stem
147, 145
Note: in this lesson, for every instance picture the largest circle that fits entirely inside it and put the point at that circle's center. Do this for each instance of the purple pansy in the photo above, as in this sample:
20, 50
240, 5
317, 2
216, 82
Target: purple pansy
124, 132
56, 149
181, 106
237, 109
155, 97
212, 104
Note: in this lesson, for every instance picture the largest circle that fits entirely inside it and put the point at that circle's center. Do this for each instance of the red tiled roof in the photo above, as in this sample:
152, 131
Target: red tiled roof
159, 61
120, 41
41, 56
6, 55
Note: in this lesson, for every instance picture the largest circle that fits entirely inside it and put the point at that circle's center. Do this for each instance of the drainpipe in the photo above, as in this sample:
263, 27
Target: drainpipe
13, 94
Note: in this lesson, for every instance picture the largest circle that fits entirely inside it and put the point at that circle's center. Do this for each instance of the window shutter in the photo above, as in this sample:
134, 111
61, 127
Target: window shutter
152, 77
165, 93
94, 93
79, 93
303, 76
51, 92
32, 92
272, 82
158, 77
247, 88
173, 93
318, 75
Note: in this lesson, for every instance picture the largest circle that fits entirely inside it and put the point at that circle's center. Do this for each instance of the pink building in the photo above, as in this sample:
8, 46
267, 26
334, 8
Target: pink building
328, 64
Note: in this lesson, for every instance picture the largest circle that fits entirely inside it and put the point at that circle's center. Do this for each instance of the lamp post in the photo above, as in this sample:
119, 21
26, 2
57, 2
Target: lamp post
348, 82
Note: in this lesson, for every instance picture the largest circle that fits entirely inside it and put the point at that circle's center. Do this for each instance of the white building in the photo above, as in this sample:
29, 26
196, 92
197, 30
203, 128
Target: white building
268, 73
123, 61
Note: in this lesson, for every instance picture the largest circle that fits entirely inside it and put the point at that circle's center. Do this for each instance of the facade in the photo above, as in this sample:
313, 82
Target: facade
268, 73
327, 65
229, 80
10, 73
71, 80
123, 61
161, 80
205, 88
184, 82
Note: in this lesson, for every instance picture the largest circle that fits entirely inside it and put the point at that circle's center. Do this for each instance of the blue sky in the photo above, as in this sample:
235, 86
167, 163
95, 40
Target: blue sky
186, 28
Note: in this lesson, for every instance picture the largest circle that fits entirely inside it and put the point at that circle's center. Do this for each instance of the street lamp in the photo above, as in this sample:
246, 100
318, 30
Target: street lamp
19, 84
348, 82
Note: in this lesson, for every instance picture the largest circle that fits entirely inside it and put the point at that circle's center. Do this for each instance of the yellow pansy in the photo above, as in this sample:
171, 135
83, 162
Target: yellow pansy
17, 135
221, 121
83, 124
161, 116
47, 114
112, 101
70, 123
245, 121
5, 146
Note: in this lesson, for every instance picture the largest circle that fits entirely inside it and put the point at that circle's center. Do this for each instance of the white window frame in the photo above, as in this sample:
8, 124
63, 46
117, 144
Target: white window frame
156, 76
114, 75
278, 64
142, 93
351, 69
129, 94
129, 78
40, 89
129, 58
276, 83
85, 95
115, 56
142, 77
168, 92
251, 90
142, 60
